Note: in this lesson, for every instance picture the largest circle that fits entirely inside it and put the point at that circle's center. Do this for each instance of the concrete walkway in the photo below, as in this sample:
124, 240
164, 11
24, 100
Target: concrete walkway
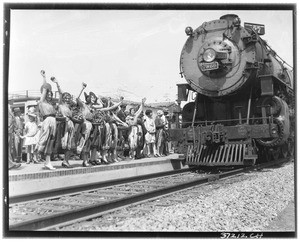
32, 178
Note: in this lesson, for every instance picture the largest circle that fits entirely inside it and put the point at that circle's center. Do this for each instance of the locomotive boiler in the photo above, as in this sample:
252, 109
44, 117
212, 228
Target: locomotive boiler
243, 99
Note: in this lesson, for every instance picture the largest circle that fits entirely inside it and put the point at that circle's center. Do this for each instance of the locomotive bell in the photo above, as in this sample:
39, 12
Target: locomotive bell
189, 31
231, 18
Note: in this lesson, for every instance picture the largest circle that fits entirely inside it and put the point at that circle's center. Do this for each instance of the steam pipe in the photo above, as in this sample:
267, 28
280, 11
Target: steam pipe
249, 105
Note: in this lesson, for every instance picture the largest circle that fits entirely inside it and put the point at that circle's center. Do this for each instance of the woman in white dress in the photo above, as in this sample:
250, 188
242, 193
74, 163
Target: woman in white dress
31, 136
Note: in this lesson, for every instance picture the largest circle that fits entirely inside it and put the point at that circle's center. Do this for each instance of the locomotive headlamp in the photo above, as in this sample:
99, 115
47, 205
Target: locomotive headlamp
189, 31
209, 55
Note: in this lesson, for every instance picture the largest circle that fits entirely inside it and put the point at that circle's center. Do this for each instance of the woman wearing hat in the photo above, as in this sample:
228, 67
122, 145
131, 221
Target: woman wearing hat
135, 134
65, 138
105, 138
90, 135
84, 141
31, 136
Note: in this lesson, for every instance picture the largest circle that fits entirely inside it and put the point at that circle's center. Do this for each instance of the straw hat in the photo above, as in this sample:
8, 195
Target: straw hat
31, 112
17, 110
160, 113
32, 115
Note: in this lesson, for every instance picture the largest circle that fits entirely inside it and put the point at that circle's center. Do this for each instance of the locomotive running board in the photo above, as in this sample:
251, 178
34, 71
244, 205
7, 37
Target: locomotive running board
232, 154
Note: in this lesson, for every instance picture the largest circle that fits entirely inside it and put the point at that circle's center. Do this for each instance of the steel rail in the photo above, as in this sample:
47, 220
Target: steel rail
100, 208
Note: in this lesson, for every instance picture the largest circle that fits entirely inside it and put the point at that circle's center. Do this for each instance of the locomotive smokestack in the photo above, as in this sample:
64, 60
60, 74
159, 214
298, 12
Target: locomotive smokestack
233, 18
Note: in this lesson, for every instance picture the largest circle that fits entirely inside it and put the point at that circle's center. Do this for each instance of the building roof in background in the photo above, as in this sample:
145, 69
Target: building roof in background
161, 104
152, 105
35, 95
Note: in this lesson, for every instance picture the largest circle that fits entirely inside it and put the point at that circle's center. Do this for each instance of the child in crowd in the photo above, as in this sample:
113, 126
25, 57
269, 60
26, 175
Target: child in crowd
31, 136
150, 135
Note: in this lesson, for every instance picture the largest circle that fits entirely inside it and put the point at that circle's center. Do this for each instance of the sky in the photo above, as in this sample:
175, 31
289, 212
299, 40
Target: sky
130, 53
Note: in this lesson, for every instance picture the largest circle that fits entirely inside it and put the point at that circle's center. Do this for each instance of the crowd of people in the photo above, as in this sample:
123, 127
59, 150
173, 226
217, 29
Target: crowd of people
95, 130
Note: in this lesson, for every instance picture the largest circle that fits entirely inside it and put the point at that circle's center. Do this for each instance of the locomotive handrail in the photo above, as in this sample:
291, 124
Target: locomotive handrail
268, 46
283, 61
219, 121
276, 55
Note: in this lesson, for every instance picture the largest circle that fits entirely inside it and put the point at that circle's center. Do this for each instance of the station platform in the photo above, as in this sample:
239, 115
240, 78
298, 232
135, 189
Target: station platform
33, 178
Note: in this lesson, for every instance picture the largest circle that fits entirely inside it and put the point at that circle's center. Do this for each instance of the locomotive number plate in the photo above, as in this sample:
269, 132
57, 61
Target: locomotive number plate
209, 66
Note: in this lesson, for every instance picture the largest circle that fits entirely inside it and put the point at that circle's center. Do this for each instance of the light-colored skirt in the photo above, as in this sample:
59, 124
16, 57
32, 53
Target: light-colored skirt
149, 138
31, 140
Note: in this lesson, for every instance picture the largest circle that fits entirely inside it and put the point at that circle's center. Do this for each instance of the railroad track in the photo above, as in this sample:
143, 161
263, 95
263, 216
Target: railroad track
60, 208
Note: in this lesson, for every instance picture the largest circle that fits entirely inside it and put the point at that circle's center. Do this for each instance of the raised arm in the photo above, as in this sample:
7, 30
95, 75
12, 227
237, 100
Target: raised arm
110, 102
112, 107
82, 88
138, 112
43, 73
119, 121
99, 106
80, 103
58, 88
44, 90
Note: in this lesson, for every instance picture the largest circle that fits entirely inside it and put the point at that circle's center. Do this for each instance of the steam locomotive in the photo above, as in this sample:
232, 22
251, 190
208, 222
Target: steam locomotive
243, 98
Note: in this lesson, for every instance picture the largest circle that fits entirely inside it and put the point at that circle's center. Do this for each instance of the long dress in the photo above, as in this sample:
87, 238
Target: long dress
65, 131
85, 140
47, 136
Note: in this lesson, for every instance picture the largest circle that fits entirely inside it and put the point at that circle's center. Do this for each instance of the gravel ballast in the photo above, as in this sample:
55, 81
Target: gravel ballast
248, 202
